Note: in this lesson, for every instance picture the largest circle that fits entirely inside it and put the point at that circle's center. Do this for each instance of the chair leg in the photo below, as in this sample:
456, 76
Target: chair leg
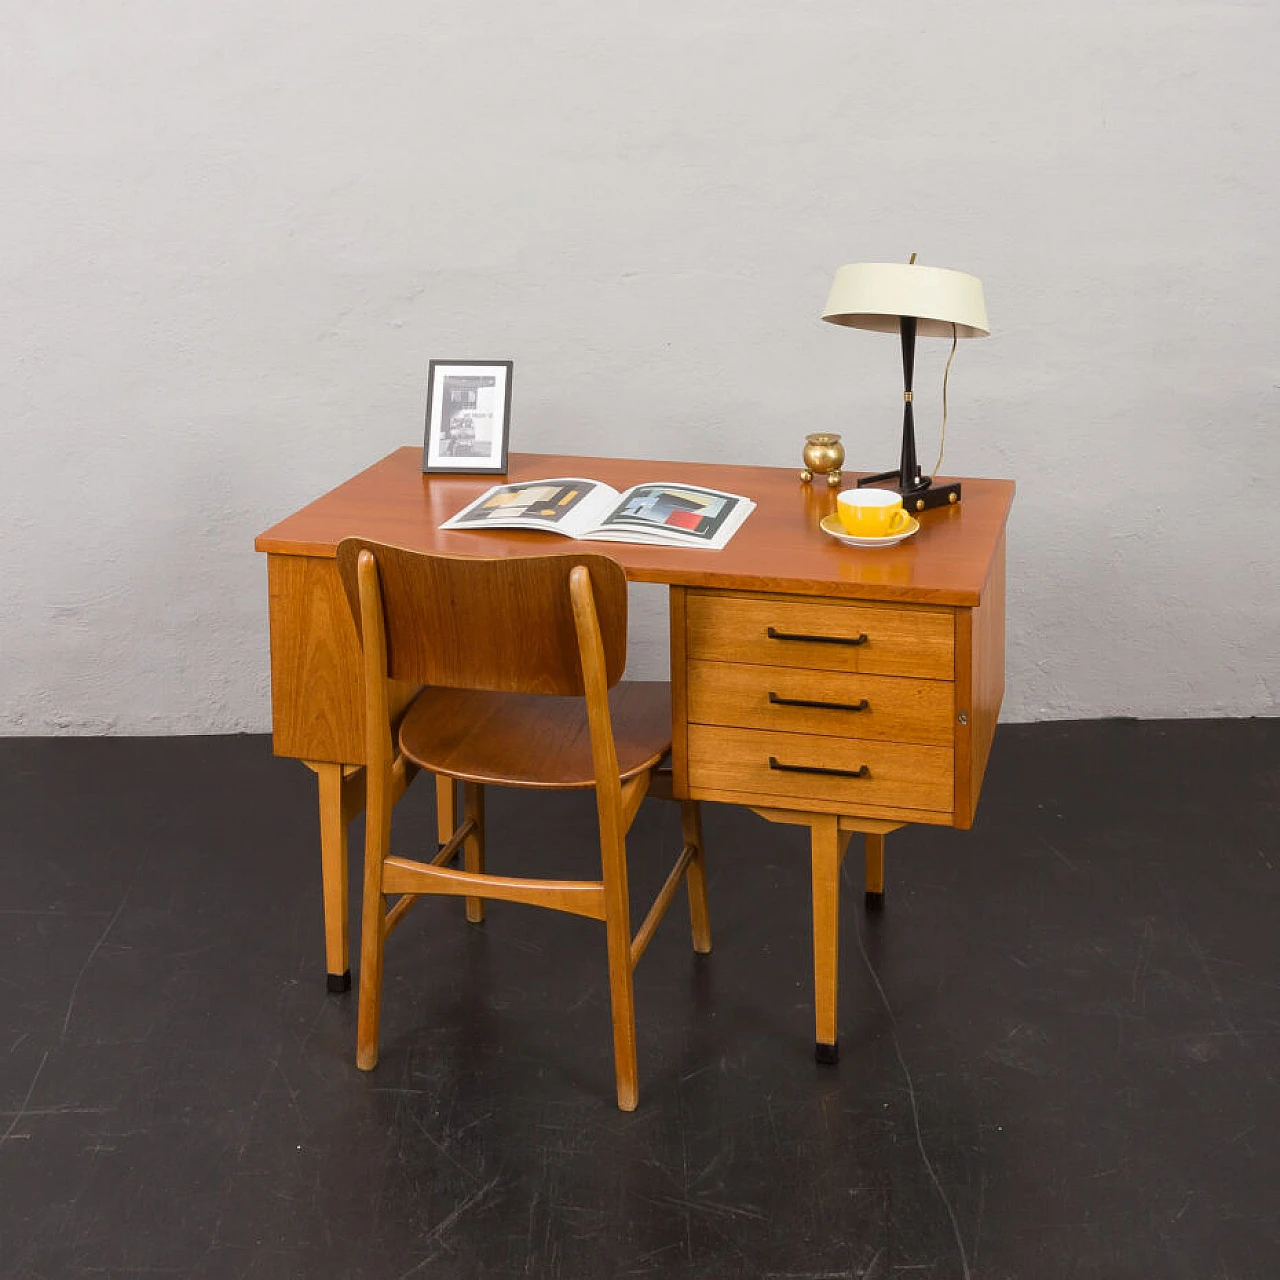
373, 922
696, 876
617, 924
473, 846
623, 1006
446, 808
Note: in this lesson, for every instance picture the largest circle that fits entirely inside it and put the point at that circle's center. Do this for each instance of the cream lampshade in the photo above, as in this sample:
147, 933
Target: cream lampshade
910, 300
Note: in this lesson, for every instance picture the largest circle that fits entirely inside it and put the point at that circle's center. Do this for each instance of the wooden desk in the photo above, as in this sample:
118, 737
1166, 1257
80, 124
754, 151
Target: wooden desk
849, 691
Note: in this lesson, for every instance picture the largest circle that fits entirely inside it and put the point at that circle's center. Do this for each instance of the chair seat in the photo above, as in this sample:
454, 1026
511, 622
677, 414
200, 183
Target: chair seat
529, 740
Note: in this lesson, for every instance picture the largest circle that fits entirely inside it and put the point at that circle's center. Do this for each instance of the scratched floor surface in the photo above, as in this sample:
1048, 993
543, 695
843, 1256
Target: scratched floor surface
1060, 1044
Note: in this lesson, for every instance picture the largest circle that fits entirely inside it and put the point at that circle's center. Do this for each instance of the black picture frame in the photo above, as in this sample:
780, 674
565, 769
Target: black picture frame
468, 417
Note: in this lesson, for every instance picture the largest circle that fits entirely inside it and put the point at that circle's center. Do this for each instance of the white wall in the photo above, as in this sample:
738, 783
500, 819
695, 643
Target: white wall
232, 236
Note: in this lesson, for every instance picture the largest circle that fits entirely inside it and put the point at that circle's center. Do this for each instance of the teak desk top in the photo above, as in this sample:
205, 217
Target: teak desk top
780, 548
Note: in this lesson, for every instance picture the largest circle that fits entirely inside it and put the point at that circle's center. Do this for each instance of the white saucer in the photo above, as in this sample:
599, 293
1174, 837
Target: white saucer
831, 524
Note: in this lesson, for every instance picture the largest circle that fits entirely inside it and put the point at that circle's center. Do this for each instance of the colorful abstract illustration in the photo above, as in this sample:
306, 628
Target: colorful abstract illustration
548, 502
695, 511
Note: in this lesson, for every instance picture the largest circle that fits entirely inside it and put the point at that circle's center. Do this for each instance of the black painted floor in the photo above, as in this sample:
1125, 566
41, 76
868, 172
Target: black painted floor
1060, 1043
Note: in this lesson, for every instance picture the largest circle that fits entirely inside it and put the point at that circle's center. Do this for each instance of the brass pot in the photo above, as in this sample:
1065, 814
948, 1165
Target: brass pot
823, 456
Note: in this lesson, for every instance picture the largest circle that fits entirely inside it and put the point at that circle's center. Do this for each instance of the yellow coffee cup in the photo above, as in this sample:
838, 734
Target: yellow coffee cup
872, 513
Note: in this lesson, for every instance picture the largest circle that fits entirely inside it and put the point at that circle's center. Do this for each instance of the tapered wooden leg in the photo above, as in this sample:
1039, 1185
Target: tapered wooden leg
875, 872
446, 808
623, 1006
373, 921
333, 865
696, 876
473, 846
617, 924
373, 938
827, 844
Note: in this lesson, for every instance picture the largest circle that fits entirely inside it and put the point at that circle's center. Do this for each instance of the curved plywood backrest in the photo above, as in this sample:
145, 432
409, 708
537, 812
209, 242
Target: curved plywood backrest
504, 624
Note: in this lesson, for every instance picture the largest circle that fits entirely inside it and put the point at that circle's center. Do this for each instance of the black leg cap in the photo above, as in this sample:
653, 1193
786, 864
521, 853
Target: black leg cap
338, 982
826, 1054
874, 901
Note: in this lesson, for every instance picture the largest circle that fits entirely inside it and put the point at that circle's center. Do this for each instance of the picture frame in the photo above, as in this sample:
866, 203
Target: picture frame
468, 417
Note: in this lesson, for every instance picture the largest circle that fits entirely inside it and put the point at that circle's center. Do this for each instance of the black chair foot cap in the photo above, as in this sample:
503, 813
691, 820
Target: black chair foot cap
827, 1054
338, 982
874, 901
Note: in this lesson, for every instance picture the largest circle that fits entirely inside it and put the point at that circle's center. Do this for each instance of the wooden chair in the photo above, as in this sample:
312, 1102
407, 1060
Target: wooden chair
522, 661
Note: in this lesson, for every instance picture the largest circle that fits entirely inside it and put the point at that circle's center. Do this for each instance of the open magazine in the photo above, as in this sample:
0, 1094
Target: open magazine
682, 515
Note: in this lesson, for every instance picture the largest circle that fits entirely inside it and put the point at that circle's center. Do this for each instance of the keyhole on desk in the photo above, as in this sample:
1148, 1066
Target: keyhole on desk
963, 717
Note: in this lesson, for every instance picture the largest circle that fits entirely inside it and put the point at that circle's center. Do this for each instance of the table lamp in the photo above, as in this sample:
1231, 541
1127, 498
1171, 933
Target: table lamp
892, 297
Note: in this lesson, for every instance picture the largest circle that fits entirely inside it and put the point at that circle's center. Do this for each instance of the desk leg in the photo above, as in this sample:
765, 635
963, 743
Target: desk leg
341, 792
827, 845
829, 836
874, 872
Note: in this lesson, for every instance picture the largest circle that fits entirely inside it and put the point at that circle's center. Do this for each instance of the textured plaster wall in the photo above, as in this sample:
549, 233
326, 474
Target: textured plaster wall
233, 235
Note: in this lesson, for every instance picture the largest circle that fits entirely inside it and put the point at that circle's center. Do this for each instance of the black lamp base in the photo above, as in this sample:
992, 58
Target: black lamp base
922, 496
919, 493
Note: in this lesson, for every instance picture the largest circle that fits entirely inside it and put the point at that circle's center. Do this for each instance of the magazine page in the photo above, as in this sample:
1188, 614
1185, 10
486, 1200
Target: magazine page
569, 505
674, 515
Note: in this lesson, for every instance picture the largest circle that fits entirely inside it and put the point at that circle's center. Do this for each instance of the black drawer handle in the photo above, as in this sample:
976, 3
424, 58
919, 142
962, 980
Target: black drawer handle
864, 772
864, 705
775, 634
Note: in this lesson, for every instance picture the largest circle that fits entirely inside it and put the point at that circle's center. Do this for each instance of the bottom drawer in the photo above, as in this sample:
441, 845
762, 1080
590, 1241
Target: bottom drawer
802, 766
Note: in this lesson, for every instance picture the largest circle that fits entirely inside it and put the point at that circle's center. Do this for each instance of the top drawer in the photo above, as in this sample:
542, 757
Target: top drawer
829, 635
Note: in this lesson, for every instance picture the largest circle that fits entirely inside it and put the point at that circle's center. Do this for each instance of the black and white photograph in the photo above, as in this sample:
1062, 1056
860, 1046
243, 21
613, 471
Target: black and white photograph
468, 413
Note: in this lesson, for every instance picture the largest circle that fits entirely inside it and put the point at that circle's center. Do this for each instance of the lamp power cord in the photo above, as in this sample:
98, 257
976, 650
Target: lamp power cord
942, 443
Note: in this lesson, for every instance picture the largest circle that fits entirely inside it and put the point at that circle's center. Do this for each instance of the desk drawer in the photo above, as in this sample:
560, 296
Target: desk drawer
885, 708
790, 631
809, 767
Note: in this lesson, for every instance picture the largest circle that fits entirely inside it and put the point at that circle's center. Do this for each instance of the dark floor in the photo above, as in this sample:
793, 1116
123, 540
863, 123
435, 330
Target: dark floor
1060, 1042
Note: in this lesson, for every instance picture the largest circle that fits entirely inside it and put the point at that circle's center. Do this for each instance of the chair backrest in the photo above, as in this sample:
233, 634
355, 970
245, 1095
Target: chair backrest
504, 624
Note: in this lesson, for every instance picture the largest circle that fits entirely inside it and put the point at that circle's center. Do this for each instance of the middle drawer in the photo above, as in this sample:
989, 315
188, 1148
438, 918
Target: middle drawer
887, 708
